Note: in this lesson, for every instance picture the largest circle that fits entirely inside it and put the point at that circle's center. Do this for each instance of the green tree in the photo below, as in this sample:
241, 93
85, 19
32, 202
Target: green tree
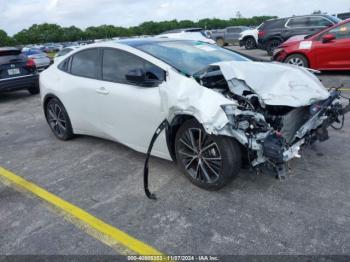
5, 40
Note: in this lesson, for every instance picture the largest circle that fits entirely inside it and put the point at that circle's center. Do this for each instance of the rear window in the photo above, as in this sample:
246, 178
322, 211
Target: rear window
11, 56
9, 52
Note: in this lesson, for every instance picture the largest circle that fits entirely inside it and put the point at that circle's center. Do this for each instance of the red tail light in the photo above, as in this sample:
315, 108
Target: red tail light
30, 62
261, 34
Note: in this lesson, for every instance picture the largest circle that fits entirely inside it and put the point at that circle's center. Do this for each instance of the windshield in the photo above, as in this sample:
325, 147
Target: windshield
189, 56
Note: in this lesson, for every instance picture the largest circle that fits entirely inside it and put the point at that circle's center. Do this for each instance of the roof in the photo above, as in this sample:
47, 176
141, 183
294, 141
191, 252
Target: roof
179, 30
2, 49
150, 40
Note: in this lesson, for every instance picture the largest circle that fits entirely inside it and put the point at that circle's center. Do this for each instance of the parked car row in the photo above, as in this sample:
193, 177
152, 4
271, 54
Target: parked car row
274, 32
326, 50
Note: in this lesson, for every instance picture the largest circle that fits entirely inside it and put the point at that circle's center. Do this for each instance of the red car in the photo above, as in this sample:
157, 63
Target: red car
326, 50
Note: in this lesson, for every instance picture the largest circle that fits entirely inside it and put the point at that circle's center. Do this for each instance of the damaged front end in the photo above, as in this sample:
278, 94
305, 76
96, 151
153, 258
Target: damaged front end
271, 121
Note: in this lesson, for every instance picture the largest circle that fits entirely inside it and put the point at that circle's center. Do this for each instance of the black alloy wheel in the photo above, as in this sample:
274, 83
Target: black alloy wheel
58, 119
208, 161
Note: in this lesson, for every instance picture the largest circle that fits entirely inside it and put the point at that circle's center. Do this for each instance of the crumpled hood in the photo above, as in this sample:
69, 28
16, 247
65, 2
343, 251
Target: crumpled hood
277, 84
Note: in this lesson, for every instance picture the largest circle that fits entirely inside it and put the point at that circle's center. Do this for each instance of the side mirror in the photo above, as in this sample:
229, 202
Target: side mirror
328, 38
139, 77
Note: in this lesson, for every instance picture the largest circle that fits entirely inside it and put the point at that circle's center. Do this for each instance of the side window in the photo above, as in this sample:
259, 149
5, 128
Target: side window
85, 63
117, 63
318, 21
233, 30
298, 22
64, 65
341, 32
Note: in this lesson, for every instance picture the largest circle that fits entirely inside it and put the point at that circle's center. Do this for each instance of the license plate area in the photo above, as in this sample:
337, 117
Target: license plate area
13, 71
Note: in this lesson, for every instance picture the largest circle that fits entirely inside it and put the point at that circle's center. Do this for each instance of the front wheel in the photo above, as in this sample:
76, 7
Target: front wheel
298, 60
250, 43
208, 161
58, 119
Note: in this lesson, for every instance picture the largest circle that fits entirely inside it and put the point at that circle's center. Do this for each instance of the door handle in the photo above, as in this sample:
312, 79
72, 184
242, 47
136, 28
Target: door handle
102, 91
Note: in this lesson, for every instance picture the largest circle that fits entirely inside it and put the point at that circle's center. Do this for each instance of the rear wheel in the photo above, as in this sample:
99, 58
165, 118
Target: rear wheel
249, 43
272, 45
298, 60
58, 119
220, 42
208, 161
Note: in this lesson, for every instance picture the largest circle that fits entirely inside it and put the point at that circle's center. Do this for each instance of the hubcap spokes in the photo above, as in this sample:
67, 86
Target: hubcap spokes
200, 155
56, 119
296, 61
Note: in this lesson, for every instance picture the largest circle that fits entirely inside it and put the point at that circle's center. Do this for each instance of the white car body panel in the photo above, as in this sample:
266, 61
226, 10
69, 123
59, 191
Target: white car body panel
249, 32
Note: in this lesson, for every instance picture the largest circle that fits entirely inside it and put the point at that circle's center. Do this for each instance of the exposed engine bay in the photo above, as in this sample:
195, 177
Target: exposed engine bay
273, 130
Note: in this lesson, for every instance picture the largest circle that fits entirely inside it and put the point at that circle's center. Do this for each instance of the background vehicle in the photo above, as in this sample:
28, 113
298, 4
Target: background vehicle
327, 50
219, 105
64, 51
249, 38
274, 32
41, 60
51, 48
196, 34
17, 72
229, 35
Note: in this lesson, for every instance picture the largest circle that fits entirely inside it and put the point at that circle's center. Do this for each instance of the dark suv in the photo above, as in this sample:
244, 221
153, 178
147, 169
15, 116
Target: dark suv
17, 72
275, 31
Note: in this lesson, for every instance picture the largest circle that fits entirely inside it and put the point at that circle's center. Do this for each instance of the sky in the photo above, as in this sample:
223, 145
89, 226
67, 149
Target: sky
20, 14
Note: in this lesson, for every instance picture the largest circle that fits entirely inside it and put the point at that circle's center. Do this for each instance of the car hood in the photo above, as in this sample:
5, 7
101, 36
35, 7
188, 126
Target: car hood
293, 40
277, 84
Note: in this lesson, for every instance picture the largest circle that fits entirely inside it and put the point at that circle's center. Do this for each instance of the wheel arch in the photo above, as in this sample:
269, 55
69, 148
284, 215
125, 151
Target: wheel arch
50, 96
275, 37
47, 98
172, 130
248, 36
298, 53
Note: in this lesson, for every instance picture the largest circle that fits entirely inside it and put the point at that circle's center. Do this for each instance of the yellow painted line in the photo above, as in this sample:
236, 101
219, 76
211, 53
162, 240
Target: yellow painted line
110, 232
344, 89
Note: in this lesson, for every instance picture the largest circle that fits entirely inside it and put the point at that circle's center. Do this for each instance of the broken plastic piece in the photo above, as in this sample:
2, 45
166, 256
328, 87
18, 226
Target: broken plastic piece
160, 128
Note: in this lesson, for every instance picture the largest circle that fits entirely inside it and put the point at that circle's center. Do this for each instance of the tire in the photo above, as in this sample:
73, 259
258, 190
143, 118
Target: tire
220, 42
58, 119
34, 90
249, 43
210, 165
298, 60
271, 45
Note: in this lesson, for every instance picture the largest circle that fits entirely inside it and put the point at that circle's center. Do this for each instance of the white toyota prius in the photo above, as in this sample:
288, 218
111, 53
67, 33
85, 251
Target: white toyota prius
221, 109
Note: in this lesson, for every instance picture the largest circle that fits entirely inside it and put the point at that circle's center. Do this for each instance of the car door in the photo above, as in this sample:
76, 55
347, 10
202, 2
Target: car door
336, 53
232, 35
130, 113
82, 77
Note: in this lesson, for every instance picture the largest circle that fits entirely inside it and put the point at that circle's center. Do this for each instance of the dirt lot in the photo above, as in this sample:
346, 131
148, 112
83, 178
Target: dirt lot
309, 213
